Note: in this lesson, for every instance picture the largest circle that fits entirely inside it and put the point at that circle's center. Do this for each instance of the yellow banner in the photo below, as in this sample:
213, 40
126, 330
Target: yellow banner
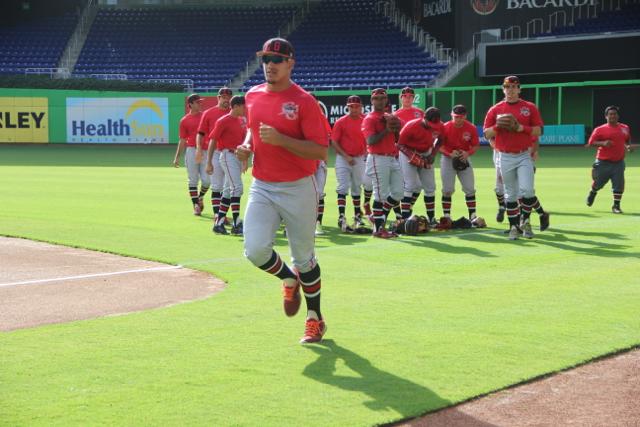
24, 119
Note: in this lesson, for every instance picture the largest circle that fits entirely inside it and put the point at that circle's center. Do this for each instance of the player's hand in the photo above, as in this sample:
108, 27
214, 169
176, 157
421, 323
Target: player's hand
350, 160
629, 148
198, 156
243, 153
209, 169
606, 143
269, 135
176, 162
464, 155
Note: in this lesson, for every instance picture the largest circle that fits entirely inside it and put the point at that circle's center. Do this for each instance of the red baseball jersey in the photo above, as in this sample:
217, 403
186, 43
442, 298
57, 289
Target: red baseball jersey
464, 138
407, 114
229, 132
418, 136
374, 123
208, 121
292, 112
525, 112
347, 133
619, 135
189, 128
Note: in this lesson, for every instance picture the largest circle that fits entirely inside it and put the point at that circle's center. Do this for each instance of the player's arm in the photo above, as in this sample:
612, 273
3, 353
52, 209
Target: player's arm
377, 137
533, 150
489, 127
340, 151
474, 144
210, 151
596, 140
302, 148
179, 150
244, 150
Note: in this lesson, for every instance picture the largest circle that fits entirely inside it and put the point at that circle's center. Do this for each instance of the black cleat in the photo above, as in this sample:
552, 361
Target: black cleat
616, 209
237, 229
591, 198
219, 229
544, 221
500, 215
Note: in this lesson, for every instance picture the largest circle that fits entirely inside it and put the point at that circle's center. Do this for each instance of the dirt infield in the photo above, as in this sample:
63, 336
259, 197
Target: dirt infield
42, 283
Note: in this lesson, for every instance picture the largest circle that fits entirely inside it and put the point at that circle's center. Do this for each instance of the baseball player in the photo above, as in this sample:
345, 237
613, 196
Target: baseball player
513, 122
287, 138
407, 111
208, 121
418, 148
321, 174
460, 141
351, 148
612, 141
380, 130
195, 170
229, 131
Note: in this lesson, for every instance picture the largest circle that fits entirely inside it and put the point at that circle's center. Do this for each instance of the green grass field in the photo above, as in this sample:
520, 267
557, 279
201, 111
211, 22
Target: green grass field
415, 324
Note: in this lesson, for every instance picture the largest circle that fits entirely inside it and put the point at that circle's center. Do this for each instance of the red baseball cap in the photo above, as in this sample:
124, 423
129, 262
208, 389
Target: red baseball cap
277, 46
225, 91
379, 91
511, 80
354, 100
194, 97
459, 111
407, 90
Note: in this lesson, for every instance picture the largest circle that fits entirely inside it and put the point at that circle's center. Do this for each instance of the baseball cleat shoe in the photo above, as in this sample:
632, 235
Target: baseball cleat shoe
237, 229
514, 233
544, 221
344, 226
358, 221
220, 229
197, 210
314, 330
433, 222
616, 209
384, 234
591, 198
500, 215
291, 299
201, 204
319, 230
526, 230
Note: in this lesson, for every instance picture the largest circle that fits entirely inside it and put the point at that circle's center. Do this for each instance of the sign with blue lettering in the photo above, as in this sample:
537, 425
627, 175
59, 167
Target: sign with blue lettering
118, 120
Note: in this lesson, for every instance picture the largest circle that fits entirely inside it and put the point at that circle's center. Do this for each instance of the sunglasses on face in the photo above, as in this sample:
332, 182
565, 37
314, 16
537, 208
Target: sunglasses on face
276, 59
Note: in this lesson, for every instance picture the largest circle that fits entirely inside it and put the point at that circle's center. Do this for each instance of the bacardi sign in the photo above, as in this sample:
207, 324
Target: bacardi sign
543, 4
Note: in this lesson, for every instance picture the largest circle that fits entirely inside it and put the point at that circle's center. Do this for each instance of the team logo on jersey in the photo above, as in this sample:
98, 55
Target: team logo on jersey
417, 115
466, 136
484, 7
525, 111
290, 110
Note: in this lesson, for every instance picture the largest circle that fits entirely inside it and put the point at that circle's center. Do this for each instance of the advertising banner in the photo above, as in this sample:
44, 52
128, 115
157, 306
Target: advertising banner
118, 120
24, 119
553, 135
335, 106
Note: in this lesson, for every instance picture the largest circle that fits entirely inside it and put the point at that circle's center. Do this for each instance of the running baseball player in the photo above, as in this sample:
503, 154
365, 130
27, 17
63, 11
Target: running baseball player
407, 111
612, 141
351, 148
195, 170
287, 138
418, 146
208, 121
380, 130
460, 142
229, 131
513, 122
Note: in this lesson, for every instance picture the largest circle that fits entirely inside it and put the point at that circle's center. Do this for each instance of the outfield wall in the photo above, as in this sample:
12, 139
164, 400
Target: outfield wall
75, 116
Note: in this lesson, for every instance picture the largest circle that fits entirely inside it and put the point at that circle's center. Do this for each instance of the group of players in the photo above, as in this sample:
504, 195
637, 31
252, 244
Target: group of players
391, 156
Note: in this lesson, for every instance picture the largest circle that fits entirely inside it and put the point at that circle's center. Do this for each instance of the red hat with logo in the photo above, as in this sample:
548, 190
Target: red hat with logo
225, 91
407, 90
511, 80
459, 111
379, 91
354, 100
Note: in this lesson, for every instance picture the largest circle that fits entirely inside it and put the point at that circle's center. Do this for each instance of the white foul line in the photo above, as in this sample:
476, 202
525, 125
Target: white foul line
86, 276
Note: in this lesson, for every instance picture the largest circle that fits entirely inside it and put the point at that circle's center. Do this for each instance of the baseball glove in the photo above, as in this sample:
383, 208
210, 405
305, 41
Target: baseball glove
398, 226
411, 226
423, 224
478, 222
507, 122
462, 222
392, 122
445, 223
459, 163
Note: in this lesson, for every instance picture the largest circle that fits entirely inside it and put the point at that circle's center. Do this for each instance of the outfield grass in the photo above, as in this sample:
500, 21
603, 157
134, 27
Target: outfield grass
415, 324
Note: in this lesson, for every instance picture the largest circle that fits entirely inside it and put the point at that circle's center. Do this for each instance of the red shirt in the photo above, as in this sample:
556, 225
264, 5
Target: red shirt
407, 114
292, 112
189, 128
374, 123
347, 133
464, 138
525, 112
618, 135
208, 121
417, 136
229, 132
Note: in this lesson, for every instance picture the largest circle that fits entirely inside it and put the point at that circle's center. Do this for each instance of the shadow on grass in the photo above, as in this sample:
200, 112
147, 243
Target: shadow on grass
385, 390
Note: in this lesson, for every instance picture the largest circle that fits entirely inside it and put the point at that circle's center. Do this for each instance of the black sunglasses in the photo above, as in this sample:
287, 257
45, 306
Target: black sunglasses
276, 59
